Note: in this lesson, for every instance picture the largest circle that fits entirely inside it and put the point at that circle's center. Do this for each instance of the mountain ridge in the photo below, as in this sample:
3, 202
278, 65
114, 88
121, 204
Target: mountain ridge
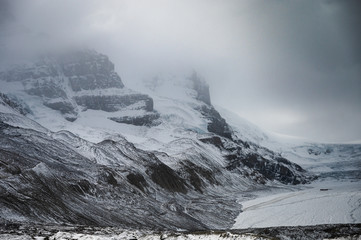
163, 172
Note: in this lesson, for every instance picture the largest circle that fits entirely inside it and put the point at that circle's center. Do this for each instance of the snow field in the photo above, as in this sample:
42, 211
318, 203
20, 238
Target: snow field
328, 202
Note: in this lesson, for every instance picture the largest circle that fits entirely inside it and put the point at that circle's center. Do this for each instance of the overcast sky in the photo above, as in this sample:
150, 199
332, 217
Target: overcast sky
292, 67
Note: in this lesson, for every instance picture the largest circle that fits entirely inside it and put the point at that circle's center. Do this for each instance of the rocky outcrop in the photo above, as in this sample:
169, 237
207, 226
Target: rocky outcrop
75, 81
14, 103
165, 177
216, 124
113, 103
95, 81
258, 163
277, 168
89, 70
148, 119
52, 90
64, 106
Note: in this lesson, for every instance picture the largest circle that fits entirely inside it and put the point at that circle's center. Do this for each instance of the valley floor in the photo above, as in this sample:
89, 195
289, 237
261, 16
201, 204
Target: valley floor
322, 202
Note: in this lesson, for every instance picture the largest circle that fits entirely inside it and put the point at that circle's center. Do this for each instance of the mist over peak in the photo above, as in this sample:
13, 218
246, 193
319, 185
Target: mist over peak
262, 60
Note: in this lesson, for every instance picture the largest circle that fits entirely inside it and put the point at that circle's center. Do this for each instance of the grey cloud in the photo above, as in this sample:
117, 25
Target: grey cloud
5, 12
348, 15
263, 59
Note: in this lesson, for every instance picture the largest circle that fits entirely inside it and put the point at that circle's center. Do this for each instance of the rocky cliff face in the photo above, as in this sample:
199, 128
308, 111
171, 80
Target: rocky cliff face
75, 82
88, 70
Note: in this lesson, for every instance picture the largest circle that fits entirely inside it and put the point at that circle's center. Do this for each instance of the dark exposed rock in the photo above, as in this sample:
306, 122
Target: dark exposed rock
85, 62
278, 169
216, 123
137, 180
215, 140
10, 160
148, 119
242, 143
167, 178
13, 169
112, 103
64, 106
231, 158
286, 162
97, 81
14, 103
328, 151
313, 152
108, 177
272, 167
89, 70
195, 180
197, 175
83, 187
319, 151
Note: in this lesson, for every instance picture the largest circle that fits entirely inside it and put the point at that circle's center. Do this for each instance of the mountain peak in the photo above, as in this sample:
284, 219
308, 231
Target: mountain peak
76, 81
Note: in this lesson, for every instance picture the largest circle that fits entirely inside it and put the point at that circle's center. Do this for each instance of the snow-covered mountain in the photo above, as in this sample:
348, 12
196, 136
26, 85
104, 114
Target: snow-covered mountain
75, 82
78, 147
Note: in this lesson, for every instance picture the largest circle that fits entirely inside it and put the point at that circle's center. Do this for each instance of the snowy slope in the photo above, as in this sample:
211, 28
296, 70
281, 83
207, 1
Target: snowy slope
158, 159
181, 106
173, 187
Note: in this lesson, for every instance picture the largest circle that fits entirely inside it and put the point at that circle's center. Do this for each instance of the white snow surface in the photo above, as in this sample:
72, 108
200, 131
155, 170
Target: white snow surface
173, 99
323, 202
